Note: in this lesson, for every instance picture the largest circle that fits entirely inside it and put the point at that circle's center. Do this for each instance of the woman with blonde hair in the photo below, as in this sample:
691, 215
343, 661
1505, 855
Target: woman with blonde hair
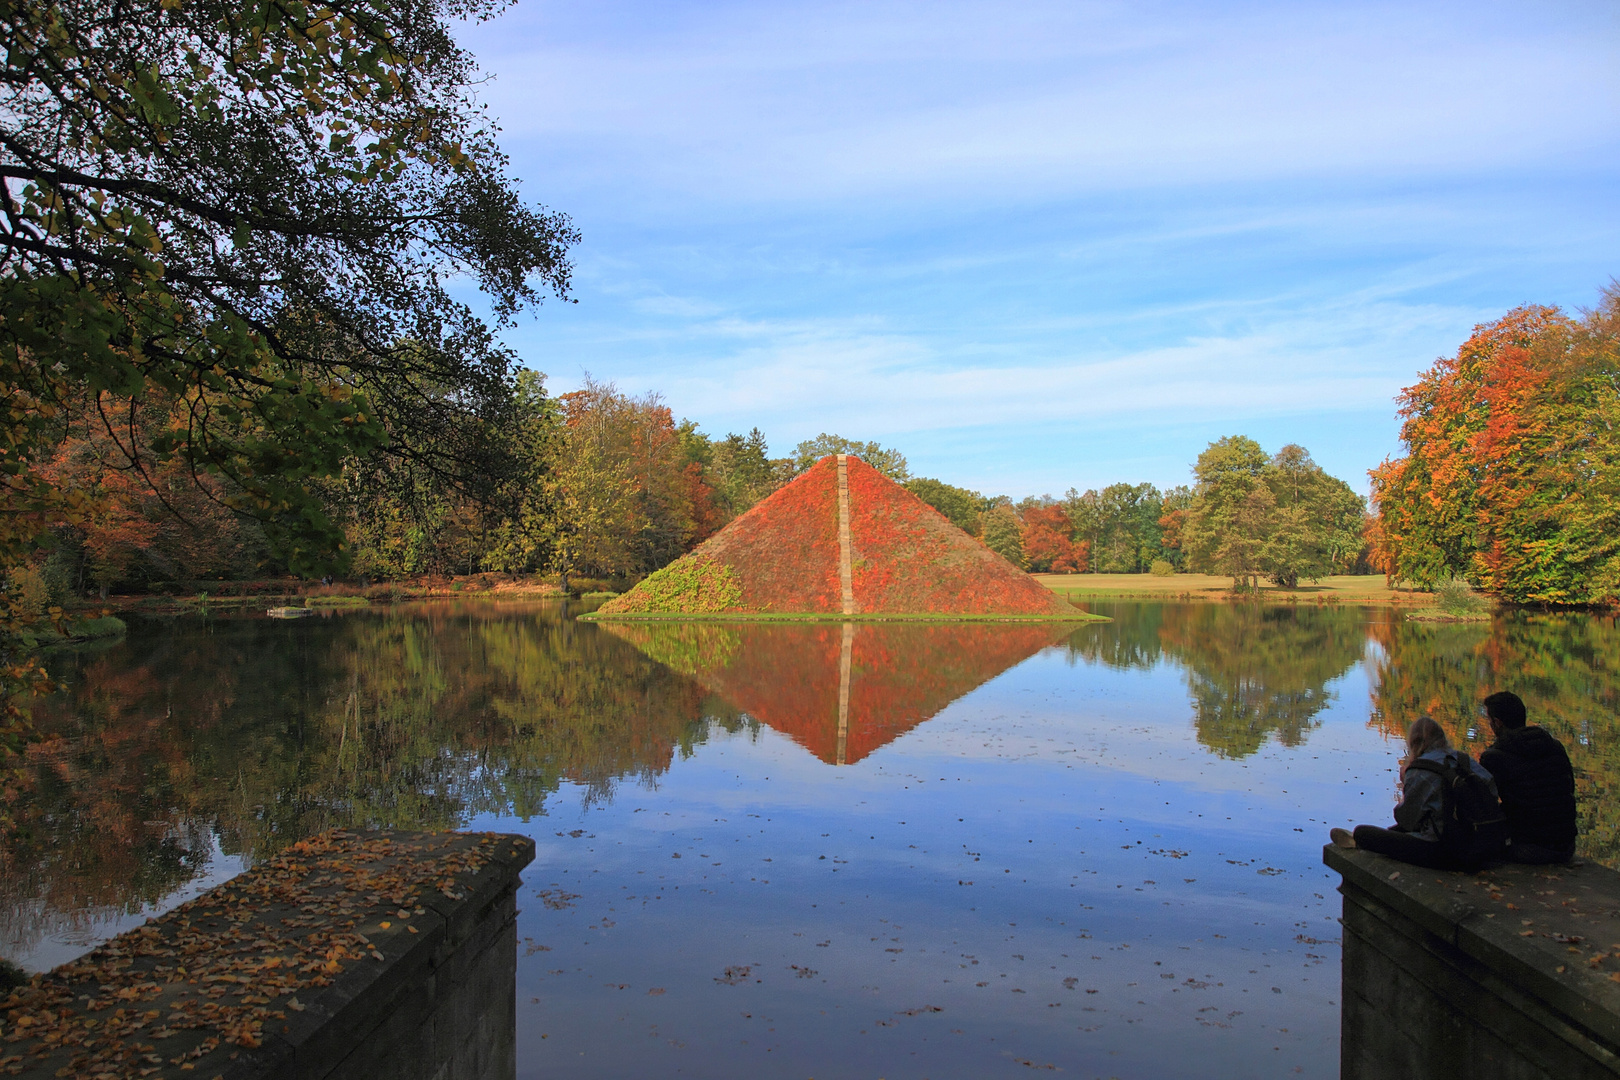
1432, 776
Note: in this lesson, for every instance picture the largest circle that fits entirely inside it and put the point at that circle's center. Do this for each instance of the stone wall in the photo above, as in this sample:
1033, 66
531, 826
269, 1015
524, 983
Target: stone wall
351, 955
1510, 974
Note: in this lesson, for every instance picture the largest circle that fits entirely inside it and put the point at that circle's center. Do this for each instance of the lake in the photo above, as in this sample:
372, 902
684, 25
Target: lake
812, 850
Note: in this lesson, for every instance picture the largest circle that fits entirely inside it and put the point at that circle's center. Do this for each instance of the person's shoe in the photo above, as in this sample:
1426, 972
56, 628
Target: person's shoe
1341, 838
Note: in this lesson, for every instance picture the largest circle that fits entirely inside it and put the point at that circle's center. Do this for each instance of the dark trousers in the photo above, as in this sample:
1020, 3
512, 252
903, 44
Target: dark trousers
1539, 854
1406, 847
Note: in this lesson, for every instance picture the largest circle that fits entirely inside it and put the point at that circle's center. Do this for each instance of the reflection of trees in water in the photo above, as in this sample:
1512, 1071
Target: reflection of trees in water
261, 732
254, 733
1252, 669
1565, 666
1131, 640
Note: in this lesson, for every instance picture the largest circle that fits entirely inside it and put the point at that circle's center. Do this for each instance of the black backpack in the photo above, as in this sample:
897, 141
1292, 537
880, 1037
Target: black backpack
1473, 828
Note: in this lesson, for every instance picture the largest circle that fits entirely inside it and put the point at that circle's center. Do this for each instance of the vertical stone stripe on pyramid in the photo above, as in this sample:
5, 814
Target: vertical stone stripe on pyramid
843, 692
846, 575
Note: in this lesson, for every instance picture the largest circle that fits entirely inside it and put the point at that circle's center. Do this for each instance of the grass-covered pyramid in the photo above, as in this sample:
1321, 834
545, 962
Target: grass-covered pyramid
792, 556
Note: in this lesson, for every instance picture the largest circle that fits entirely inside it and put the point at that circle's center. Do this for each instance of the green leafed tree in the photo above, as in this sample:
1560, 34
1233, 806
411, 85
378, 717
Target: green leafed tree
1317, 525
1224, 528
1281, 518
891, 463
959, 505
523, 534
1002, 531
743, 471
1121, 525
254, 210
256, 207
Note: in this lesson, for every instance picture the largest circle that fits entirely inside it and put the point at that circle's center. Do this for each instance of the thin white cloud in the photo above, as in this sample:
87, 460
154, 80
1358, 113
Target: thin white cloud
833, 100
852, 374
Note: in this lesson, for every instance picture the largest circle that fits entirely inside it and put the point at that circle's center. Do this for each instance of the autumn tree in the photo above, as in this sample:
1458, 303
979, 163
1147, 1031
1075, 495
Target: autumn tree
1047, 543
257, 208
629, 498
1429, 500
145, 518
1512, 471
1174, 505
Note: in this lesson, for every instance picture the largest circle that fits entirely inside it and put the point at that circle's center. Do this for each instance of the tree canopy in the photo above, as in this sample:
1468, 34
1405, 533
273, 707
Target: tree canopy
248, 213
959, 505
1281, 518
891, 463
1511, 476
229, 228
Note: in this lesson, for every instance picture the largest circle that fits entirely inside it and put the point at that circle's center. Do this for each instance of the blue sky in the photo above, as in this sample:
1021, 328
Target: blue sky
1039, 245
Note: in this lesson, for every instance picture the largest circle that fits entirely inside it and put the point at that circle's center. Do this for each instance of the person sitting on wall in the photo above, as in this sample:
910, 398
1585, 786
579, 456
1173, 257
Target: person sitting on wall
1536, 782
1429, 809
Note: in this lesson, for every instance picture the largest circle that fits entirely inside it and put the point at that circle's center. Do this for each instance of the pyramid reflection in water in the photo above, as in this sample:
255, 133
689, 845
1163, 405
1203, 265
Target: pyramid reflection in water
840, 690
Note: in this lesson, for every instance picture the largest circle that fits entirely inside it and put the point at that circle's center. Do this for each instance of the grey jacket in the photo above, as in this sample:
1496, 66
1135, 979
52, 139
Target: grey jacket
1423, 795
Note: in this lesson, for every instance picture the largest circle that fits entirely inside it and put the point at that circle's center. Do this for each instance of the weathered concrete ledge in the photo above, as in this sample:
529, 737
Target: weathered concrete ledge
349, 955
1510, 973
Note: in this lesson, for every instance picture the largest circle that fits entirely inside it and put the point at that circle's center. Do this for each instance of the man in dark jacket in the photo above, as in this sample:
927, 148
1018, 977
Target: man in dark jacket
1536, 782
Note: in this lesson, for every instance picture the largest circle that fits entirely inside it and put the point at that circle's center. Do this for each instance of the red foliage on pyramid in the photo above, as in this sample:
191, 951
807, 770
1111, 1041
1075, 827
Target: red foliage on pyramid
782, 557
792, 677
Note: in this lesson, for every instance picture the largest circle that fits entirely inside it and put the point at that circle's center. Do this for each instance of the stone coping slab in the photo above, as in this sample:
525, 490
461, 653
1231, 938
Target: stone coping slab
268, 974
1551, 931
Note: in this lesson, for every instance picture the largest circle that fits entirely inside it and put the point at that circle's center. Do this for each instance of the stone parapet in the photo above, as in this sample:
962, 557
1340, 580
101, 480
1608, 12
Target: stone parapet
1509, 974
352, 954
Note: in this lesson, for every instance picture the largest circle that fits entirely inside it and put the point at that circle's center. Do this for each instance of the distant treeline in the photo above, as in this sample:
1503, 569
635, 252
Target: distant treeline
1247, 515
603, 485
1511, 480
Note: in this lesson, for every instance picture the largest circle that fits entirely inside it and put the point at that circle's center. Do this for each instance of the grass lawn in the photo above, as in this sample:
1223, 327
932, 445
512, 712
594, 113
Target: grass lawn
833, 617
1359, 589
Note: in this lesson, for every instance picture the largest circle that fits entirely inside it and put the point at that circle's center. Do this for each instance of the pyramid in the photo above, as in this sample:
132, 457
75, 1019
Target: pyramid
841, 540
841, 692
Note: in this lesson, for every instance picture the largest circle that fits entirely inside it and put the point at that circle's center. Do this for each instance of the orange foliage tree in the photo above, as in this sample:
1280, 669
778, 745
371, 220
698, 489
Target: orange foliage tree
1049, 545
1512, 471
143, 514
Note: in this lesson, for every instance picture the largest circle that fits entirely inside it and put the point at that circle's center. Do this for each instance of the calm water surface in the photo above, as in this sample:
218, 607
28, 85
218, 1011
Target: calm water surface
909, 850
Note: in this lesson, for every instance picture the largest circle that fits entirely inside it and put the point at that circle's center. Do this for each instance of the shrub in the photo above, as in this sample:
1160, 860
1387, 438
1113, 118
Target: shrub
105, 626
335, 601
1457, 597
29, 586
690, 585
1162, 568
